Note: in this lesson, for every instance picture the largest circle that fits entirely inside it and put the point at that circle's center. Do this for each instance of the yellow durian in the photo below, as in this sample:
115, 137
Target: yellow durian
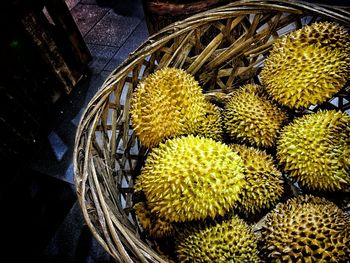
155, 226
230, 241
166, 104
306, 229
251, 118
211, 125
314, 150
264, 185
308, 66
191, 178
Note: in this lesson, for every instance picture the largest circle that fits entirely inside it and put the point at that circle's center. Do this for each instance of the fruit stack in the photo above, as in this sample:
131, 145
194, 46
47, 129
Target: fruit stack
212, 168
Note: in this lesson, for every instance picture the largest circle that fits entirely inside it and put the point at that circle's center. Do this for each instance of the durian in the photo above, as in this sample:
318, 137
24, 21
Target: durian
323, 34
229, 241
264, 185
308, 66
314, 150
167, 103
253, 119
155, 226
191, 178
307, 229
211, 125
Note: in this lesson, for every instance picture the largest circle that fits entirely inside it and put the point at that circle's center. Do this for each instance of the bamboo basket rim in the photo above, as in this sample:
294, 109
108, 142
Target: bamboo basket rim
82, 155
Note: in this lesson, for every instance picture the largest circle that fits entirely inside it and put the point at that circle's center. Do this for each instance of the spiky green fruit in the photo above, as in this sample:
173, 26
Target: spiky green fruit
191, 178
211, 125
307, 229
315, 150
229, 241
251, 118
308, 66
264, 181
165, 104
155, 226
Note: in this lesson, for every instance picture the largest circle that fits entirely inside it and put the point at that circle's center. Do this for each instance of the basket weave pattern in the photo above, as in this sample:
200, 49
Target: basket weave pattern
223, 48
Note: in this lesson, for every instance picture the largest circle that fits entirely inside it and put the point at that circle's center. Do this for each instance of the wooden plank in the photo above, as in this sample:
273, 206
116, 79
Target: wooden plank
49, 50
61, 16
61, 45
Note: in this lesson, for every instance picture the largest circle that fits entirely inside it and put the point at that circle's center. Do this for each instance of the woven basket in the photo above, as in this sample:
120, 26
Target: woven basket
160, 13
223, 48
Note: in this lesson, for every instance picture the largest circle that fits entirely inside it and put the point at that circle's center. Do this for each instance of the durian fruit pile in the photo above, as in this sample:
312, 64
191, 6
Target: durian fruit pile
220, 181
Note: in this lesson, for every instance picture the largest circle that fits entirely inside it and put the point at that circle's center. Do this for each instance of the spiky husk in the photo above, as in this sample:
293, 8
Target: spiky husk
155, 226
308, 66
211, 125
229, 241
165, 104
314, 150
264, 181
191, 178
307, 229
323, 34
251, 118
